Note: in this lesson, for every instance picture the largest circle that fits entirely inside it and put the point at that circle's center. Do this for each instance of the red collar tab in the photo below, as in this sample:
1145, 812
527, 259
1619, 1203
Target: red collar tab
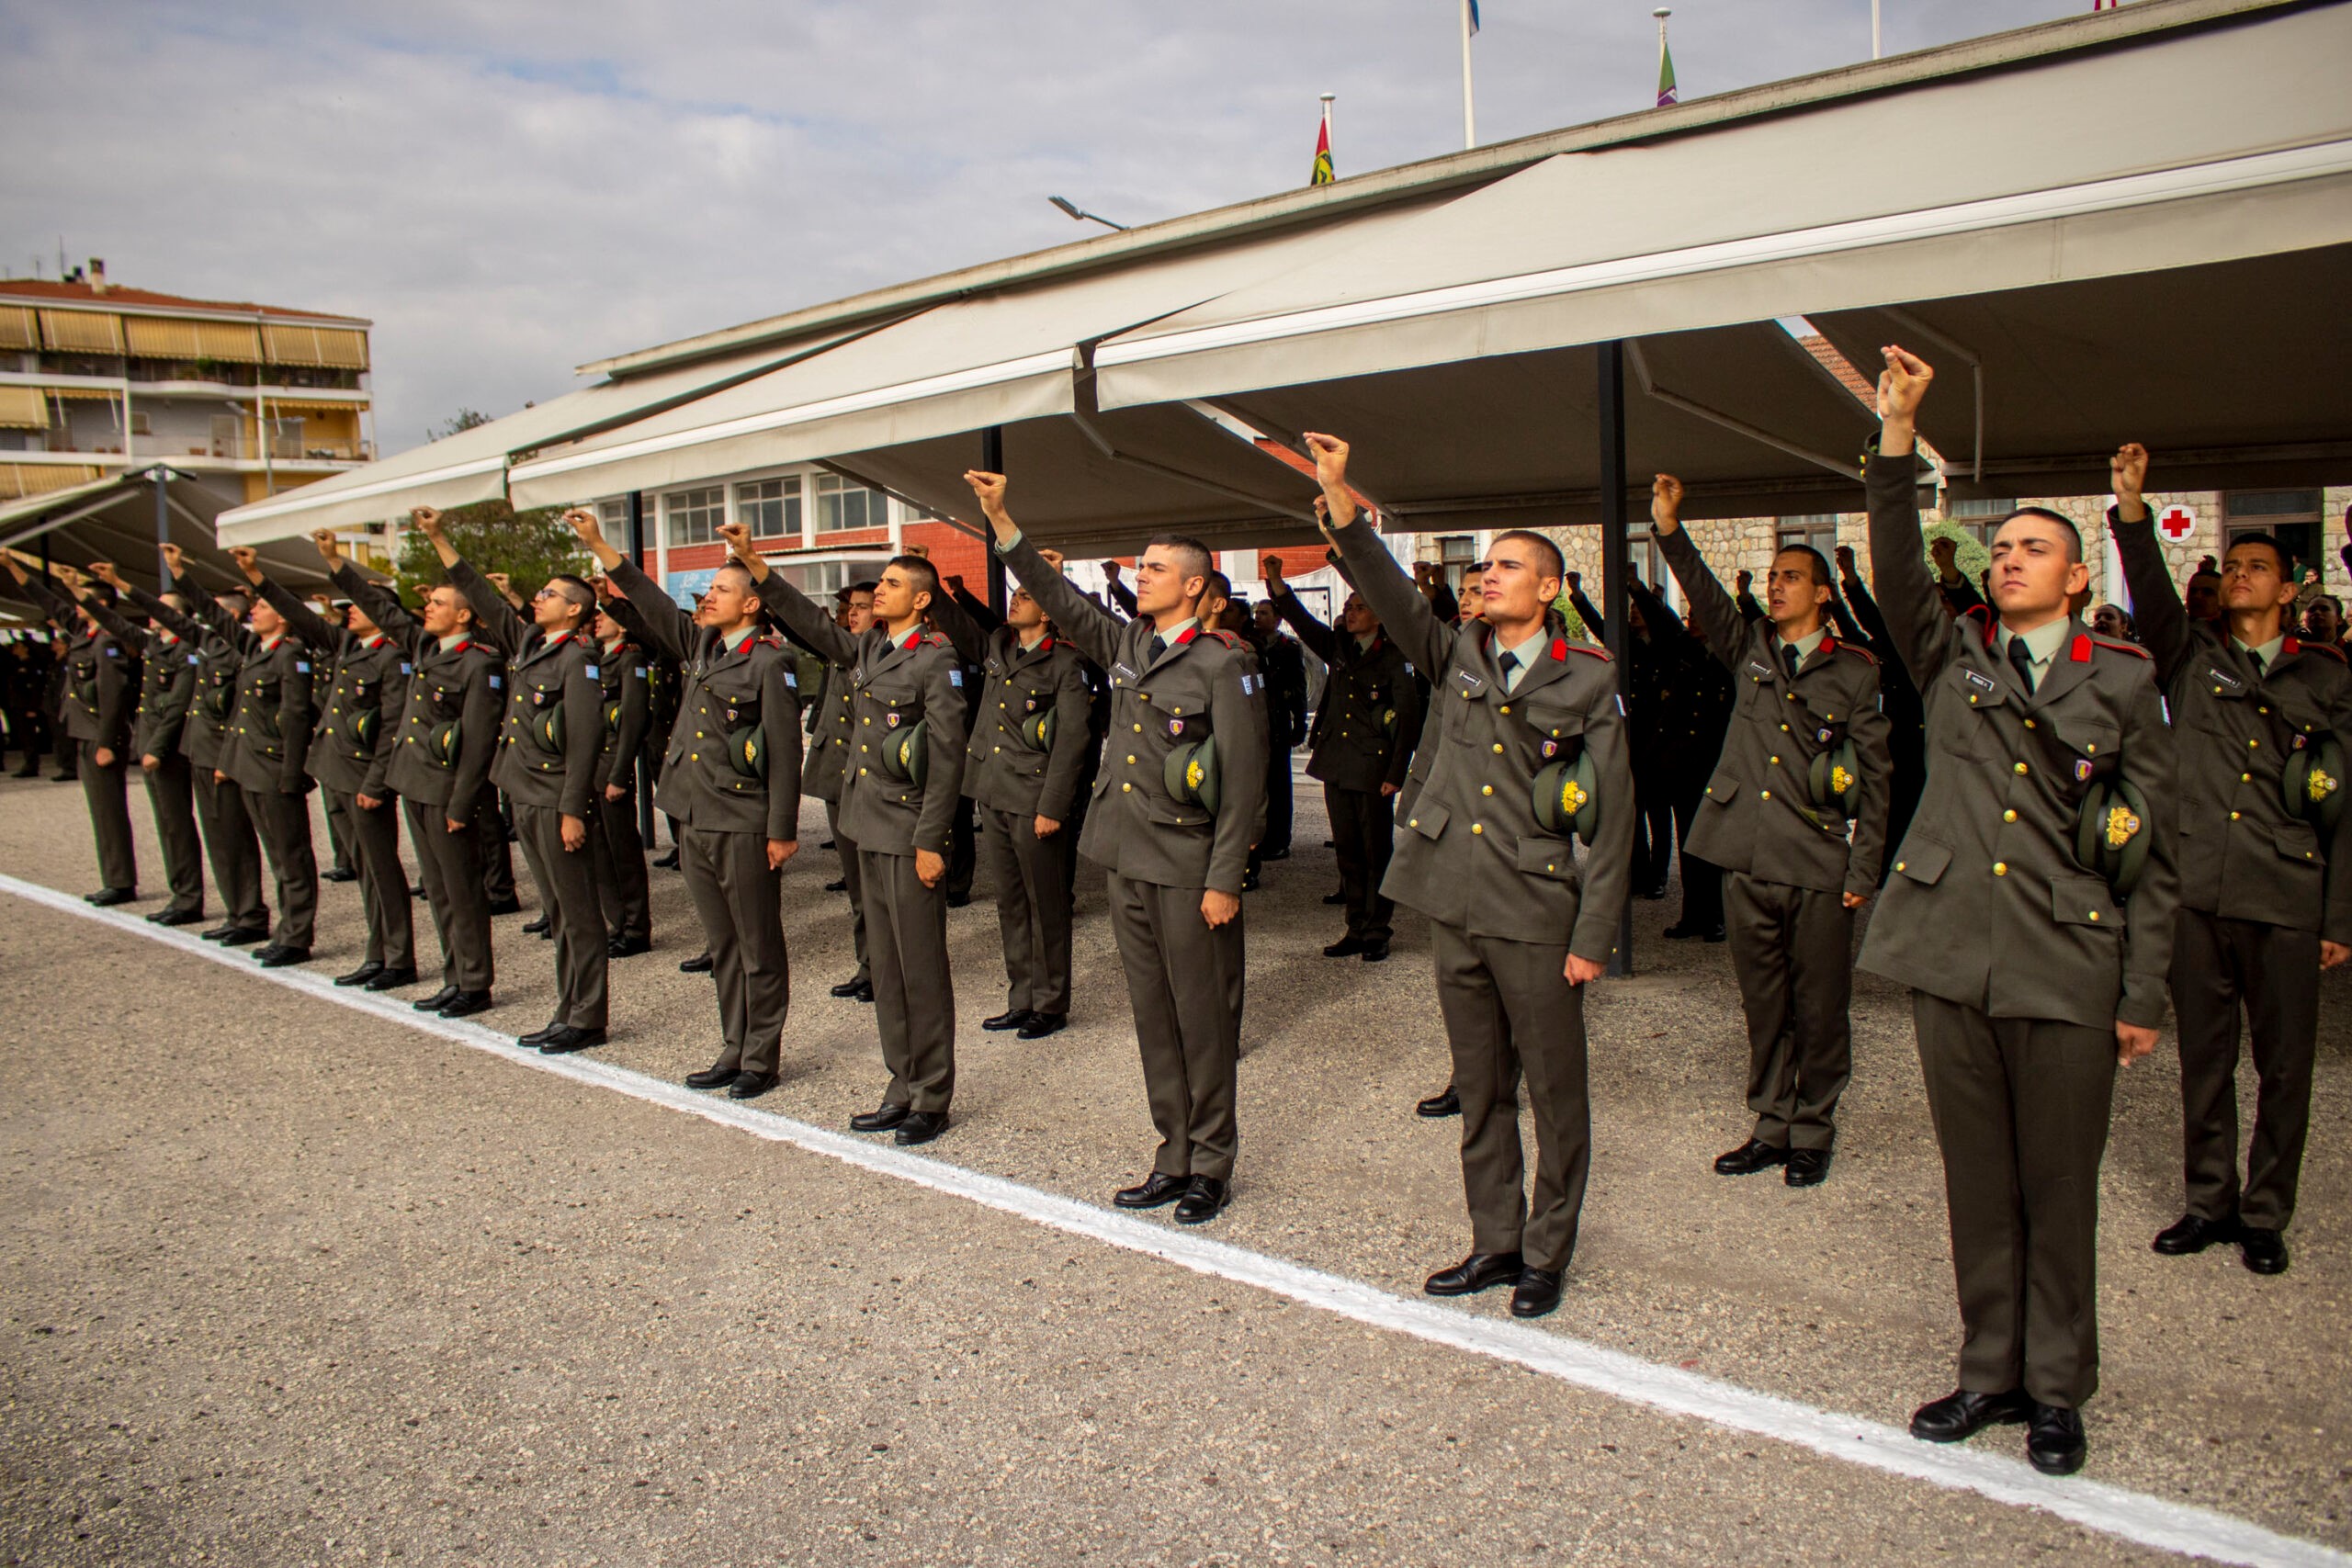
1190, 633
1045, 644
1828, 645
557, 640
374, 643
1560, 650
2081, 652
914, 640
2292, 645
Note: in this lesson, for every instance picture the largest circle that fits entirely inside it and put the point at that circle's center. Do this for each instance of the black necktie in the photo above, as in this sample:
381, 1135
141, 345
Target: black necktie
1789, 658
1506, 663
1159, 646
2257, 664
2021, 661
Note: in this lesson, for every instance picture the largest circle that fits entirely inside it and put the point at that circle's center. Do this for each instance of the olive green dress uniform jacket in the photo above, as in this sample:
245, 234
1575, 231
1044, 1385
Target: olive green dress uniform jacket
214, 638
1988, 907
1758, 816
541, 674
100, 673
1193, 691
1004, 772
2243, 856
167, 672
1472, 855
1370, 723
269, 730
351, 746
458, 684
625, 671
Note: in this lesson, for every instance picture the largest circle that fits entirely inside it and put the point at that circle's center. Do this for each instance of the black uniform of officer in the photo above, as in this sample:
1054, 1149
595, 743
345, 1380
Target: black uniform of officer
625, 670
100, 692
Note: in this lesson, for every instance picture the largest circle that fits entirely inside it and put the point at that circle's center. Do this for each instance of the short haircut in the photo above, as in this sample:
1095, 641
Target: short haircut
751, 584
2332, 602
2267, 541
1551, 552
2073, 534
1813, 557
919, 573
579, 594
1219, 587
1194, 558
867, 587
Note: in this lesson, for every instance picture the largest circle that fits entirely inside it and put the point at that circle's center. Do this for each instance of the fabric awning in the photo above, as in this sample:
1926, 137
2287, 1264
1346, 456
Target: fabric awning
23, 408
113, 519
289, 342
81, 331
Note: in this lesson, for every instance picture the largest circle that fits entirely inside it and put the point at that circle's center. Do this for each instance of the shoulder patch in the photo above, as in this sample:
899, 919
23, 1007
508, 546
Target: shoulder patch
1862, 653
1228, 639
1590, 651
2320, 647
2133, 648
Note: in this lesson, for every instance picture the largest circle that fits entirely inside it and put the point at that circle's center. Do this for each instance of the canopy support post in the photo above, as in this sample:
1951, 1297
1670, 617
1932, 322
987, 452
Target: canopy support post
1616, 566
644, 772
162, 526
993, 462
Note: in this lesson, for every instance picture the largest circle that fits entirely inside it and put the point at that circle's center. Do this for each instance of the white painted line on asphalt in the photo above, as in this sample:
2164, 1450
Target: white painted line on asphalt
2111, 1510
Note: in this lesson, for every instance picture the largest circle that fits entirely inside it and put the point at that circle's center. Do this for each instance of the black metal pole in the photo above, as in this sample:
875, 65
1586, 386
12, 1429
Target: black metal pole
1615, 565
644, 772
992, 461
163, 529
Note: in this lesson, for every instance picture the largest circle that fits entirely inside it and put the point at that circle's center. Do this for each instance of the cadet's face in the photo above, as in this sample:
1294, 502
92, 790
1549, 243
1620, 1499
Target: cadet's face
606, 628
1356, 618
553, 608
441, 612
2323, 622
1516, 585
2031, 574
2253, 579
1021, 612
726, 604
266, 621
2108, 621
2203, 600
1790, 592
895, 599
1161, 583
1267, 619
1472, 599
361, 626
861, 611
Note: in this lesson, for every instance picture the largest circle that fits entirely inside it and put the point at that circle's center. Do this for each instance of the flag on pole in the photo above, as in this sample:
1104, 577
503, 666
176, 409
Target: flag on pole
1473, 15
1666, 91
1323, 172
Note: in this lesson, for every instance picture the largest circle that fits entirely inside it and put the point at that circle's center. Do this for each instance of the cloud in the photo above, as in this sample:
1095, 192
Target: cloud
510, 190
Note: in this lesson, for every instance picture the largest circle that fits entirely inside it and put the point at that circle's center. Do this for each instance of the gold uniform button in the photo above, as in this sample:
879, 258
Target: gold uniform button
1123, 789
1506, 708
869, 718
2246, 778
1131, 758
1413, 822
2021, 770
2094, 917
2251, 744
2233, 816
1498, 748
1765, 793
1485, 789
861, 772
1785, 729
1477, 826
2028, 724
2009, 816
2000, 868
1776, 762
1138, 729
1901, 866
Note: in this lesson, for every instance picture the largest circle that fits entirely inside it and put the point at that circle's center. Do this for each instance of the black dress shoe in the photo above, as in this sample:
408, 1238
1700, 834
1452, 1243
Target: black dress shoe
881, 1119
1440, 1105
1807, 1167
465, 1004
829, 844
217, 933
417, 891
1750, 1157
751, 1086
668, 862
1012, 1018
437, 1000
920, 1127
1962, 1414
1041, 1025
338, 874
544, 1032
1715, 933
1335, 898
1157, 1189
628, 946
176, 916
506, 906
1203, 1196
713, 1077
1376, 953
1479, 1271
838, 885
701, 965
1273, 855
851, 986
864, 992
957, 900
2264, 1251
243, 936
2054, 1440
566, 1040
1538, 1293
2194, 1233
1346, 947
282, 957
1682, 930
1652, 894
392, 979
362, 974
108, 897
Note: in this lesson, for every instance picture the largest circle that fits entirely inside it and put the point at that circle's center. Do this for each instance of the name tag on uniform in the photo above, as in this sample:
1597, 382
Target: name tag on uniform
1982, 682
1245, 686
1759, 671
1123, 669
2232, 682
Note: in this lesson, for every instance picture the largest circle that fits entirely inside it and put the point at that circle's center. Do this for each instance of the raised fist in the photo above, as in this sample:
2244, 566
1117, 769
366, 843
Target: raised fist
1665, 502
2127, 474
426, 518
582, 523
990, 488
329, 547
105, 572
1903, 385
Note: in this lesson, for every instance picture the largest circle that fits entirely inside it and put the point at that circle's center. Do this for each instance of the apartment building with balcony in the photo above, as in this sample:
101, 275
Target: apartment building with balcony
97, 379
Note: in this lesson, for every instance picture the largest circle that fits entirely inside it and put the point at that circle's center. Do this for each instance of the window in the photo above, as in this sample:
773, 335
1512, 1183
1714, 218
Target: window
1456, 552
141, 423
844, 504
821, 579
695, 514
2291, 517
1977, 519
1818, 531
771, 508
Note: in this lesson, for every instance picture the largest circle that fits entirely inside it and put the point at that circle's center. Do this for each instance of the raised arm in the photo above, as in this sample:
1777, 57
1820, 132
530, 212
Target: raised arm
965, 633
124, 629
1404, 610
492, 615
1318, 638
62, 607
300, 619
1865, 611
1721, 626
802, 618
1919, 633
1595, 623
1120, 594
983, 613
2157, 614
173, 621
643, 608
1093, 629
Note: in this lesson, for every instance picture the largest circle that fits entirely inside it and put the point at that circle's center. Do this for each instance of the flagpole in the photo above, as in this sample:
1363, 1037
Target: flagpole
1328, 100
1469, 112
1662, 13
1875, 50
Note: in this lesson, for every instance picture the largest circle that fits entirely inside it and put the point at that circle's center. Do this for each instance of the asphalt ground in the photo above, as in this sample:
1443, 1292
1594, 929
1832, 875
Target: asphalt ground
434, 1304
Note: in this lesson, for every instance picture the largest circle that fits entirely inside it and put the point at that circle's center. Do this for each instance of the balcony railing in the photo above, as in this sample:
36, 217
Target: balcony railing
282, 448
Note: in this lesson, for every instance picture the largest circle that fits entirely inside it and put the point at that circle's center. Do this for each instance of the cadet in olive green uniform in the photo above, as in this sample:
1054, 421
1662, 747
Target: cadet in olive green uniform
625, 670
1520, 927
1175, 859
2259, 719
99, 697
732, 780
211, 628
907, 696
166, 689
1026, 757
1797, 813
269, 733
831, 714
350, 755
549, 740
2032, 978
439, 767
1362, 742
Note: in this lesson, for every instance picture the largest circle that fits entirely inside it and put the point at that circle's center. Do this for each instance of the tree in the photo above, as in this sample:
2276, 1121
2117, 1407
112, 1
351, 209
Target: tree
1971, 558
529, 546
465, 419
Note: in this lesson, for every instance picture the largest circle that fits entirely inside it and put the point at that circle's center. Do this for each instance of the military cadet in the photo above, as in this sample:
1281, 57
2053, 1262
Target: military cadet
100, 694
732, 780
1180, 797
1221, 611
901, 788
269, 733
166, 687
1024, 763
2031, 913
1906, 721
350, 755
2266, 891
1364, 740
832, 713
1796, 813
549, 740
213, 629
1285, 663
625, 670
27, 677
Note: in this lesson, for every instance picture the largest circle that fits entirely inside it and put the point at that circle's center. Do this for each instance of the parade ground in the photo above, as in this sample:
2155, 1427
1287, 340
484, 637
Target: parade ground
294, 1275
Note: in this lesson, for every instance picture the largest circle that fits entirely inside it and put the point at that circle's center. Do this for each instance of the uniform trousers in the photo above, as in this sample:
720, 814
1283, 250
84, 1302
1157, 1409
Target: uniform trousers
1274, 843
233, 847
1363, 833
621, 877
2020, 1109
914, 996
107, 793
741, 903
171, 796
494, 850
284, 823
852, 875
451, 865
1033, 909
1184, 982
1703, 881
2218, 966
1793, 949
574, 911
373, 840
339, 834
1510, 1013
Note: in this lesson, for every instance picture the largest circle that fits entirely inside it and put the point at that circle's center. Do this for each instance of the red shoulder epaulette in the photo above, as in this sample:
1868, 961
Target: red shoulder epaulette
1856, 651
2333, 652
935, 640
1983, 615
2133, 648
1562, 646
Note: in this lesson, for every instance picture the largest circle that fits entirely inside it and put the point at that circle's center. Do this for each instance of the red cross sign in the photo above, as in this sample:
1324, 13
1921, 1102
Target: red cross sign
2176, 521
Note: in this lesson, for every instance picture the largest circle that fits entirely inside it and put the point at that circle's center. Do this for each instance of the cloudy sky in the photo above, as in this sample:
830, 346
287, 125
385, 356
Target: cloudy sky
508, 190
